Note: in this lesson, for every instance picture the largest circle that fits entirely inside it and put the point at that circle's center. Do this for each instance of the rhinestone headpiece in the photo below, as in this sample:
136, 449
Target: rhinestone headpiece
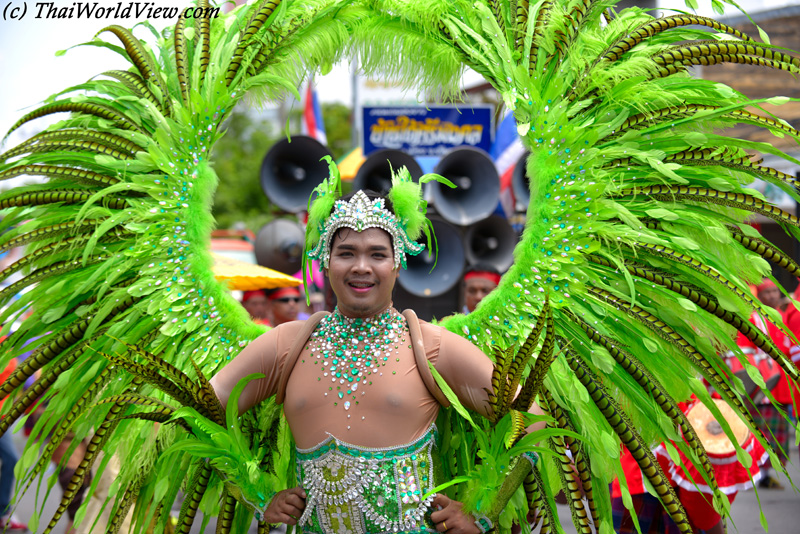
359, 214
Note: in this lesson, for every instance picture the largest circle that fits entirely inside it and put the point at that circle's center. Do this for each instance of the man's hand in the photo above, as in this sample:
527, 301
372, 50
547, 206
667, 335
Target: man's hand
286, 507
451, 518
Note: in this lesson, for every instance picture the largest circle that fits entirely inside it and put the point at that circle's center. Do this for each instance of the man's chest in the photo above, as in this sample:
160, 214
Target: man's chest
341, 383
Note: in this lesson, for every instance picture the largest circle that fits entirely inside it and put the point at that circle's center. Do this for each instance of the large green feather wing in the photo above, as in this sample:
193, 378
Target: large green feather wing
635, 230
126, 317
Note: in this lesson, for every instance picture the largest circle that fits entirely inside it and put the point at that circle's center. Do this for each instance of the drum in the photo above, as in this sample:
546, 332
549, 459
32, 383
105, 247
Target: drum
710, 432
731, 475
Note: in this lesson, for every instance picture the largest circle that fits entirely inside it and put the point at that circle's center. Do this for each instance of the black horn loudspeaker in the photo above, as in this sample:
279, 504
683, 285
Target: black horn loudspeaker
477, 186
418, 279
291, 170
376, 171
520, 183
279, 245
427, 309
491, 241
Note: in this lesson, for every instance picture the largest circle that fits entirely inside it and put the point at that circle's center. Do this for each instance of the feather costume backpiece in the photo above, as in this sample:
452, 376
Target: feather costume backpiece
629, 282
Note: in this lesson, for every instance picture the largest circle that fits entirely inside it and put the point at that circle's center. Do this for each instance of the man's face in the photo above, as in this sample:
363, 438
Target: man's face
770, 296
475, 289
256, 306
284, 309
362, 272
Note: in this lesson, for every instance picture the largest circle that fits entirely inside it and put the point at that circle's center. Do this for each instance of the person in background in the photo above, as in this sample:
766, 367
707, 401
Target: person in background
479, 280
769, 294
255, 302
771, 423
791, 318
283, 305
67, 467
686, 479
8, 459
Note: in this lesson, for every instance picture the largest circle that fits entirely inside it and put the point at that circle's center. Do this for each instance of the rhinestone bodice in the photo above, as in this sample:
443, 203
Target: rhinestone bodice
357, 490
350, 351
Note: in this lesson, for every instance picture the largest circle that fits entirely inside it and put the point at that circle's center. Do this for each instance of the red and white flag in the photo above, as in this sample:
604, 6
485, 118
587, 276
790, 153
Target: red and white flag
506, 152
312, 115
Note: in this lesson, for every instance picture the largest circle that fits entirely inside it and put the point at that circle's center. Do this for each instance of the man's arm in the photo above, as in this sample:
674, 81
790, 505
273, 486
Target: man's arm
264, 355
468, 371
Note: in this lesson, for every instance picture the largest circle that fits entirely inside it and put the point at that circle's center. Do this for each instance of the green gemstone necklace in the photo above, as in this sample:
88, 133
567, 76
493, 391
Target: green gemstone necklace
352, 350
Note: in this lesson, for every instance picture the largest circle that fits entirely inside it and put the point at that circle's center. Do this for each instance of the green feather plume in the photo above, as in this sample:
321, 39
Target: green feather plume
409, 206
320, 204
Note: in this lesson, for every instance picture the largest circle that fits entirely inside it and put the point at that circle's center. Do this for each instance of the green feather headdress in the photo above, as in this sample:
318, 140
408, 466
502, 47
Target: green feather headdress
326, 214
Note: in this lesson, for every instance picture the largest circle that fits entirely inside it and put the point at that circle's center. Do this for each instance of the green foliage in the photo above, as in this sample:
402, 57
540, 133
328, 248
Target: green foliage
336, 117
237, 160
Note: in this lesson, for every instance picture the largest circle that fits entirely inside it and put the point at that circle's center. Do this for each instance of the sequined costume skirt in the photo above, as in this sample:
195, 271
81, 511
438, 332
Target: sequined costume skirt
356, 490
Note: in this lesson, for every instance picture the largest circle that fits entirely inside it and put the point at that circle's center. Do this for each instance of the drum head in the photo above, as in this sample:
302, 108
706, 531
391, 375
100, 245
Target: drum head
710, 431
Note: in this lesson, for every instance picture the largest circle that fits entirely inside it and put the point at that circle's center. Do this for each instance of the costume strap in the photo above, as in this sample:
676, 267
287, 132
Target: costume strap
418, 347
294, 352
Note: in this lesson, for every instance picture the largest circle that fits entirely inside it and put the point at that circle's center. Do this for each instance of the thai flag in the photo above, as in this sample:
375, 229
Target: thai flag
506, 151
312, 115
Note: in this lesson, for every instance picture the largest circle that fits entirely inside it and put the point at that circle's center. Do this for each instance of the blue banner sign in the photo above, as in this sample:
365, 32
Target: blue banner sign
431, 131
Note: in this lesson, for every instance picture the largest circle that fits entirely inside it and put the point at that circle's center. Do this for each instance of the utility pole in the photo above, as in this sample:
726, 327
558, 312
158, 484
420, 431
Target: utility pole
355, 124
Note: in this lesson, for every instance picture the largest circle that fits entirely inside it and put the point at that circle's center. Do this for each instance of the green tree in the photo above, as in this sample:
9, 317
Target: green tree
237, 160
337, 118
238, 155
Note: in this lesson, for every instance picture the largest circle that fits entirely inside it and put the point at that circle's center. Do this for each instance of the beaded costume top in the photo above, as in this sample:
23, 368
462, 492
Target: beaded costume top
391, 404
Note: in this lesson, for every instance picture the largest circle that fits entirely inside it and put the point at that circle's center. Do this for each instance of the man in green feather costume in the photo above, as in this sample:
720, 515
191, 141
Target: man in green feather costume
356, 386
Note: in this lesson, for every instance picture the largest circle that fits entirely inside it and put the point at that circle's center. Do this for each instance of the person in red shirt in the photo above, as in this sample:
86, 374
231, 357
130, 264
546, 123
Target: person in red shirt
694, 494
8, 459
791, 318
771, 423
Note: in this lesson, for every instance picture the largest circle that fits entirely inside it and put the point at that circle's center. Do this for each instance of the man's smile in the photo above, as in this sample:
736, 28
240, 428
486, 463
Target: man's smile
361, 286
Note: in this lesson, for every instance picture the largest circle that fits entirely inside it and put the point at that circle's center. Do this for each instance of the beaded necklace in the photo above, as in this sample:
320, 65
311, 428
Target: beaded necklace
352, 350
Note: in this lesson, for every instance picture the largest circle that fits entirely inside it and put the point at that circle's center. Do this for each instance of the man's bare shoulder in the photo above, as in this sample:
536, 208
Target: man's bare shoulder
290, 330
434, 333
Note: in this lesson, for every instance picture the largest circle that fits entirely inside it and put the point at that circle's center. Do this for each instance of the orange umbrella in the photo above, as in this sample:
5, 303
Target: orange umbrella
247, 276
350, 163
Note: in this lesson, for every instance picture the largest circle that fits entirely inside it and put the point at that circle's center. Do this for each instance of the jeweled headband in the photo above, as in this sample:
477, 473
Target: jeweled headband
359, 214
327, 214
